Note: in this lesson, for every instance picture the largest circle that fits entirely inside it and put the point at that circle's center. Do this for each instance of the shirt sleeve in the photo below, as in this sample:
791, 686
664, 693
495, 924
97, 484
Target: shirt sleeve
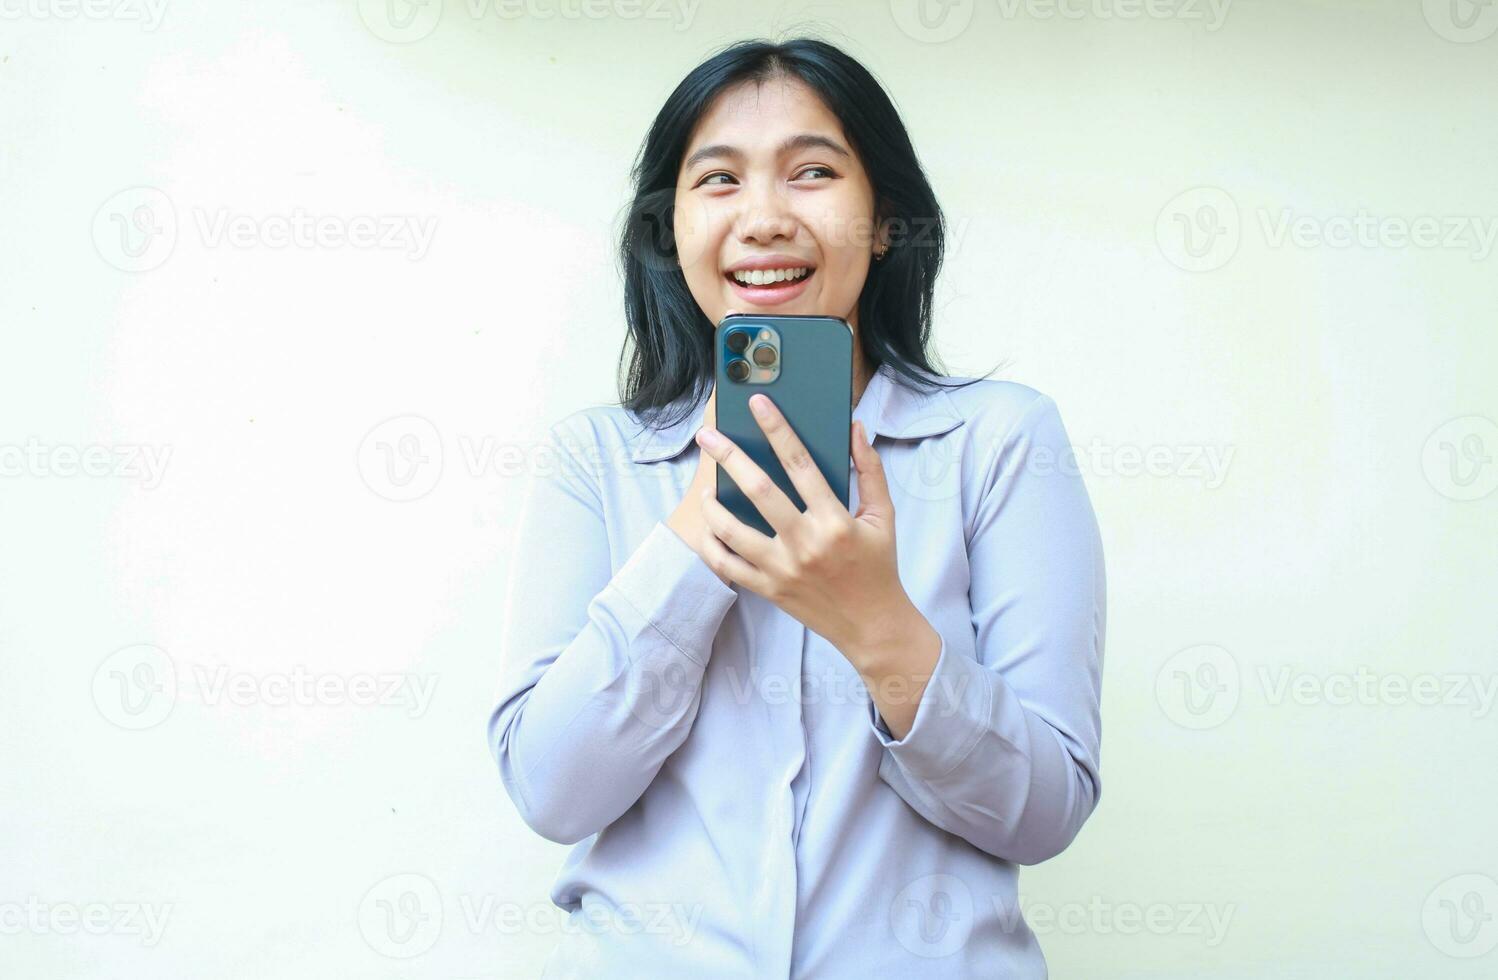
602, 669
1004, 748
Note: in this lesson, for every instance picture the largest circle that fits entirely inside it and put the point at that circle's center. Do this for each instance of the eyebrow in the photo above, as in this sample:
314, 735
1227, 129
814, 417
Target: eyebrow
801, 141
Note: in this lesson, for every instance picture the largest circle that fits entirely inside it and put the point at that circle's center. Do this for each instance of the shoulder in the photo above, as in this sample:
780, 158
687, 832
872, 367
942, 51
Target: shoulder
596, 425
1015, 442
993, 411
619, 436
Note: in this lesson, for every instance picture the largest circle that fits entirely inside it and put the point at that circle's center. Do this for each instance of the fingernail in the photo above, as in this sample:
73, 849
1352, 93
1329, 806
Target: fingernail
708, 437
760, 405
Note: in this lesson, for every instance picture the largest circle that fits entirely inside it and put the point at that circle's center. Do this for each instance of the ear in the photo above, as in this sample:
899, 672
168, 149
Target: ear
881, 225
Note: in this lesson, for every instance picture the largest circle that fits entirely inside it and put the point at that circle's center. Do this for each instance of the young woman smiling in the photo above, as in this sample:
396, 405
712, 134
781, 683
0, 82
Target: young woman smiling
823, 753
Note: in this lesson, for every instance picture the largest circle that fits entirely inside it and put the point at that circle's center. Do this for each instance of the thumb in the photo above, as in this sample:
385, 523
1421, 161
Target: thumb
874, 501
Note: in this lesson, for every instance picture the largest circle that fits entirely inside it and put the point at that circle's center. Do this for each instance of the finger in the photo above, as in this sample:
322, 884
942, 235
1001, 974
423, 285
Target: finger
753, 544
874, 500
793, 454
728, 566
768, 499
722, 559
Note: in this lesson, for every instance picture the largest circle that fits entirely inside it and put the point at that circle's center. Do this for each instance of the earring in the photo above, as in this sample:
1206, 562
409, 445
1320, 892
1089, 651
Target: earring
881, 253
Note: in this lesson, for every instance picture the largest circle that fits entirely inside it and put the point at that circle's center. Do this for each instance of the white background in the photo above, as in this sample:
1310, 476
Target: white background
1332, 831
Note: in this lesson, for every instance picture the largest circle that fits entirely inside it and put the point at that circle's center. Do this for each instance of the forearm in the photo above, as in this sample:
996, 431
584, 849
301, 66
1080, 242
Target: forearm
966, 752
990, 728
580, 747
579, 736
895, 662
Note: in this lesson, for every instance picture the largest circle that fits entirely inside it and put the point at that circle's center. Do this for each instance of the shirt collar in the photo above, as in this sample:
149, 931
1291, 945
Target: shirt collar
887, 408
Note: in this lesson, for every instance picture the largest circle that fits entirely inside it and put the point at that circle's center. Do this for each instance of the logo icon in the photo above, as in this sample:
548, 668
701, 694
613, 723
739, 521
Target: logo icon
136, 229
933, 916
931, 21
401, 917
658, 224
1199, 687
401, 458
1461, 916
1462, 21
136, 687
1199, 230
400, 21
659, 699
928, 469
1459, 458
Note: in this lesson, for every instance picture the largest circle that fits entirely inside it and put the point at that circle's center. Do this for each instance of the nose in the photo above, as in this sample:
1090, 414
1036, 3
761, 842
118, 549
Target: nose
766, 216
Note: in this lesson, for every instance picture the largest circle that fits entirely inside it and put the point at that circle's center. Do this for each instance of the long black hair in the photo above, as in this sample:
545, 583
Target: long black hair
671, 355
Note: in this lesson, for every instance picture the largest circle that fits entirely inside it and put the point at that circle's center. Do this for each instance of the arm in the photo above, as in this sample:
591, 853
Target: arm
1003, 749
603, 670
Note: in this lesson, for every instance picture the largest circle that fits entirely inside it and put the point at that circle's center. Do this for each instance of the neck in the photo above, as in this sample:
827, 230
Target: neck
863, 368
863, 371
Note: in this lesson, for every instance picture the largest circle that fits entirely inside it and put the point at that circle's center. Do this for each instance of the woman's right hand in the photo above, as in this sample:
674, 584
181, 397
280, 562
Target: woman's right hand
687, 520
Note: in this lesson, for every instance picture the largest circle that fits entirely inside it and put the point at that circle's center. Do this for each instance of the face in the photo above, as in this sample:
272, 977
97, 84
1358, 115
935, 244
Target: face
771, 189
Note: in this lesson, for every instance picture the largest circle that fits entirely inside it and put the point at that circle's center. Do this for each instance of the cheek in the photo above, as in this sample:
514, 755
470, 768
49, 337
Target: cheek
694, 234
698, 263
844, 259
844, 232
843, 287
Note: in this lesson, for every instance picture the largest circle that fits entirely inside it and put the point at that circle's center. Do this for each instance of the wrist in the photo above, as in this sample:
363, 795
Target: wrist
688, 524
887, 640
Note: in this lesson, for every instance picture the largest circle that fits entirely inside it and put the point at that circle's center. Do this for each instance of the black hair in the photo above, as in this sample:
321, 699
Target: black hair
671, 355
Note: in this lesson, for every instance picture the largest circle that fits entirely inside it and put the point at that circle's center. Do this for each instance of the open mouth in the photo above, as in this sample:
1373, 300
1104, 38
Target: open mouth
767, 287
769, 277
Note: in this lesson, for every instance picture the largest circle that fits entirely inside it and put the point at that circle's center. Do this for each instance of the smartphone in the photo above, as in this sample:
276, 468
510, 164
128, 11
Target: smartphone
805, 365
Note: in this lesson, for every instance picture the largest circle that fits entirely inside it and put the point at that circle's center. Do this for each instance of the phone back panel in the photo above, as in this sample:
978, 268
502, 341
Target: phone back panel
814, 391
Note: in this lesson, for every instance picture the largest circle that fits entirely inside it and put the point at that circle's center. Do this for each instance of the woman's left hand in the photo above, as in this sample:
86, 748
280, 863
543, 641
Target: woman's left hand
834, 571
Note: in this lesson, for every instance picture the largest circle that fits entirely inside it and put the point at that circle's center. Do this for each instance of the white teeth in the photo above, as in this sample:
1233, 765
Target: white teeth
761, 277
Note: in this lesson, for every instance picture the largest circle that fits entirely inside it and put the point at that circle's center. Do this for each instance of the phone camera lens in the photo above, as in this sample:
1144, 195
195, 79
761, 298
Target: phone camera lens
738, 369
764, 355
738, 340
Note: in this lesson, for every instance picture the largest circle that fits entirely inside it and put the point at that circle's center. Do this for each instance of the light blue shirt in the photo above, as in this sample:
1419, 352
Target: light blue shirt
738, 807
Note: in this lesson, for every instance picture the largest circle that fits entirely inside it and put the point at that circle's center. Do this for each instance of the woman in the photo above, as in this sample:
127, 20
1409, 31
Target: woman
822, 754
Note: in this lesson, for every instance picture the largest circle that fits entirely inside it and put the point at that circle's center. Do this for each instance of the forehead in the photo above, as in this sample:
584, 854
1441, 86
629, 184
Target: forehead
755, 116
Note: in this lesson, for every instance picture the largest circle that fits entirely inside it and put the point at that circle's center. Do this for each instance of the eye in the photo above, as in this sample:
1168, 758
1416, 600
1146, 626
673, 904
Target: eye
709, 177
814, 169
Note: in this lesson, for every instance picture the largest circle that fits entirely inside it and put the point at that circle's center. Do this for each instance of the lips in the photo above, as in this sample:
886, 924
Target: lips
772, 294
787, 273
